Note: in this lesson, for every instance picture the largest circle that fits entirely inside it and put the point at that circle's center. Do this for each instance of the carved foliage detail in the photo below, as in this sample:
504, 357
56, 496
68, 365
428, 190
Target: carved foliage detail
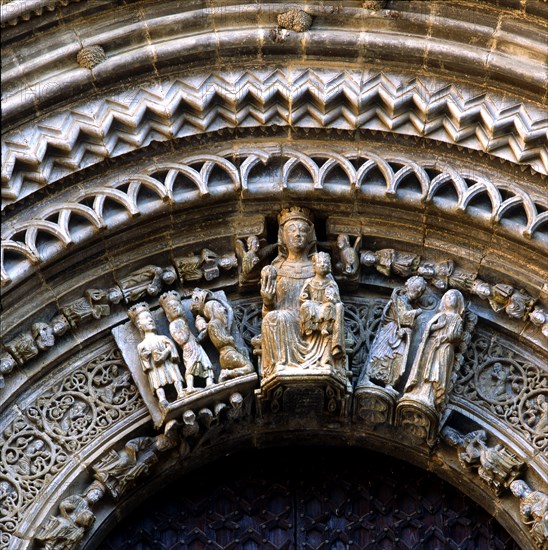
86, 402
507, 385
28, 460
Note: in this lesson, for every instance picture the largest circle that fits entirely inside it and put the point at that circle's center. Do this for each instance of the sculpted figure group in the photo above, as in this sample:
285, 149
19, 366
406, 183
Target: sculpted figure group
159, 357
302, 330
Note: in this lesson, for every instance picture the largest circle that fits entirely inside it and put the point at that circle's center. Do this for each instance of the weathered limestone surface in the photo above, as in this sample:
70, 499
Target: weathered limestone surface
235, 226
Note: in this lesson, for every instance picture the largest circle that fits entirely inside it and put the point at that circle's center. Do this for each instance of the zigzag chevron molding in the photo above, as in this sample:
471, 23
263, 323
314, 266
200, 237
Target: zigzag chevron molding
39, 154
334, 170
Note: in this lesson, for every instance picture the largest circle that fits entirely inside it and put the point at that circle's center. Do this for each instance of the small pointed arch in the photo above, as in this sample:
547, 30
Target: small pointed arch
138, 182
211, 162
115, 195
540, 225
412, 169
449, 177
483, 195
296, 158
250, 162
9, 245
336, 160
374, 162
174, 171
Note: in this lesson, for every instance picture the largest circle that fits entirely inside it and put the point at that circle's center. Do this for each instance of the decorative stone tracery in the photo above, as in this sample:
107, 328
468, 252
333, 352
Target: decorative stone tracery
132, 200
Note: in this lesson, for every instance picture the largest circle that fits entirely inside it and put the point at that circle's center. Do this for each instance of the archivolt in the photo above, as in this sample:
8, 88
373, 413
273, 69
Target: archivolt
87, 133
334, 170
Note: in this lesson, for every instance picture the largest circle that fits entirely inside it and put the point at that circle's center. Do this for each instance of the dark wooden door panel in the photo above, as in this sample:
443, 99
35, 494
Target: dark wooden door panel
300, 498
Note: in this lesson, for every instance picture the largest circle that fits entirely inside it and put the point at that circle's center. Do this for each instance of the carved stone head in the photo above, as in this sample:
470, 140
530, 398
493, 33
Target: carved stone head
519, 488
95, 492
296, 231
322, 263
43, 335
253, 243
213, 309
198, 300
415, 287
452, 300
59, 325
169, 275
142, 318
171, 304
343, 241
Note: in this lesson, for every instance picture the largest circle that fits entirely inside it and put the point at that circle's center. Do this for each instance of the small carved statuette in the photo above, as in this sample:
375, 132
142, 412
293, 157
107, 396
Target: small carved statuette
431, 377
7, 364
431, 374
321, 316
497, 466
119, 470
91, 306
388, 356
348, 263
252, 254
539, 318
59, 324
65, 531
302, 345
516, 303
28, 345
147, 281
214, 318
302, 311
391, 262
22, 348
534, 511
196, 361
206, 264
157, 354
43, 336
281, 286
442, 272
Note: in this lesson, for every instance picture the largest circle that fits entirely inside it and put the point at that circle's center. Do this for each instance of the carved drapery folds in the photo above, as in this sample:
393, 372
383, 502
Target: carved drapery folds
398, 369
170, 175
496, 465
534, 511
188, 351
302, 341
68, 416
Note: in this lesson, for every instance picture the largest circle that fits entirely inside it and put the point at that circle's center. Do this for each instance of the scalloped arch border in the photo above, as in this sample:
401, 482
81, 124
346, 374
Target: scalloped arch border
87, 133
237, 163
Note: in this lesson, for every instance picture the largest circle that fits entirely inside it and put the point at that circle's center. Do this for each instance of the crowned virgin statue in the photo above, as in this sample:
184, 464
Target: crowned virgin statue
287, 341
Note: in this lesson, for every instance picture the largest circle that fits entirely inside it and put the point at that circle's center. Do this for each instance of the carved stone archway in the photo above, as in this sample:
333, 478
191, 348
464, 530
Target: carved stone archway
144, 142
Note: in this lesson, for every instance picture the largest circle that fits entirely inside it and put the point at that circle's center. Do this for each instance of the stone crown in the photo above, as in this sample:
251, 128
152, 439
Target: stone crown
295, 213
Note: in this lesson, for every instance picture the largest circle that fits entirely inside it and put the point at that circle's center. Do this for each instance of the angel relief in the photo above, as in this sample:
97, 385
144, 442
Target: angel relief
346, 256
252, 254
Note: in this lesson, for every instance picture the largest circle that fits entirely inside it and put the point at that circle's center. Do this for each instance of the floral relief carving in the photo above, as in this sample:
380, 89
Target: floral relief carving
28, 460
86, 402
248, 316
506, 384
68, 415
